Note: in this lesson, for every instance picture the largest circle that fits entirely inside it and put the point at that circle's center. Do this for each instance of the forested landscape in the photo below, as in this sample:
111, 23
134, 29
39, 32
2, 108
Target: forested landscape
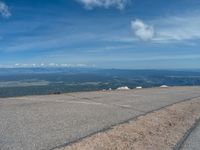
37, 81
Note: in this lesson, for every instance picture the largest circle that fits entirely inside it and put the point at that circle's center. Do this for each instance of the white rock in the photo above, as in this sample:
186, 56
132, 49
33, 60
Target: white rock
138, 87
163, 86
123, 88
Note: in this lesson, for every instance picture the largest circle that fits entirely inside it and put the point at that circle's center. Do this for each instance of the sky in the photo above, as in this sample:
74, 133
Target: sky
125, 34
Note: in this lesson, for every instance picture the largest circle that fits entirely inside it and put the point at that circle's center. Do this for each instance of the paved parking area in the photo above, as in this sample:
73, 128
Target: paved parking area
46, 122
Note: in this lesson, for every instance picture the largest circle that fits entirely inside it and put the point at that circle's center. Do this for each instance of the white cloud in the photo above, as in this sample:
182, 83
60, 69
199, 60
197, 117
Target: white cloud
90, 4
177, 29
142, 31
171, 29
53, 65
4, 10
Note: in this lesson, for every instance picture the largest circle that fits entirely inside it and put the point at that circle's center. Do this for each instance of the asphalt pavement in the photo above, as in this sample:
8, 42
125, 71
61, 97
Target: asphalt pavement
49, 121
193, 140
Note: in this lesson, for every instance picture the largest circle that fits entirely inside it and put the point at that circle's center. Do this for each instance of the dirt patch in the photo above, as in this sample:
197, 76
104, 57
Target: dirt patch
157, 130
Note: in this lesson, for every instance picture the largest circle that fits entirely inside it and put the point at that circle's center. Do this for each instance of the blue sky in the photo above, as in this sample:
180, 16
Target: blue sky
134, 34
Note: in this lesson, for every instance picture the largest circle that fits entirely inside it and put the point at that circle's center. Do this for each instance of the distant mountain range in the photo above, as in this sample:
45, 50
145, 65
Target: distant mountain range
75, 70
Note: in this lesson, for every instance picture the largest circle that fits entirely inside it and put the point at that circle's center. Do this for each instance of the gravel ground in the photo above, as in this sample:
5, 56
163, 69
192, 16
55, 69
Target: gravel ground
158, 130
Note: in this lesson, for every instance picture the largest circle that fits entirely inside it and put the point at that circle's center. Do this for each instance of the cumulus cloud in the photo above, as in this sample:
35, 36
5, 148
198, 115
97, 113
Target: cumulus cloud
4, 10
142, 31
90, 4
171, 29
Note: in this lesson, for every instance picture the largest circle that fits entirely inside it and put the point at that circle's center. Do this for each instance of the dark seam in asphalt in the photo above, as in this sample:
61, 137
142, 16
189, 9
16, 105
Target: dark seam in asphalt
123, 122
124, 107
182, 141
115, 105
129, 108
